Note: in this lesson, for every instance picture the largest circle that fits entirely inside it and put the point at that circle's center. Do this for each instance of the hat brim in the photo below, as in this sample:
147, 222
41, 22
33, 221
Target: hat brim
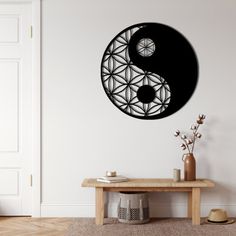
229, 221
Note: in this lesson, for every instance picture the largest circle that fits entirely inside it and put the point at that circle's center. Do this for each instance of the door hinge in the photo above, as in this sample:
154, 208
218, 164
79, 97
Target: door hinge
31, 180
31, 31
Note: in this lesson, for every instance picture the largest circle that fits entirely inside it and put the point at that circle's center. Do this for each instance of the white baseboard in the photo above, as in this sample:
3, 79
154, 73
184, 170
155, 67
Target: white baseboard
156, 210
67, 210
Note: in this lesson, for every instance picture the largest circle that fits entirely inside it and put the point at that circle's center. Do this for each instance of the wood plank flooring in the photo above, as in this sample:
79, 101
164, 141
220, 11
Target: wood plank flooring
28, 226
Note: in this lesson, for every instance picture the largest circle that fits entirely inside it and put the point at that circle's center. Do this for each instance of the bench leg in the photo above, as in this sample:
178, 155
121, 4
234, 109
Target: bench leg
196, 198
99, 206
189, 213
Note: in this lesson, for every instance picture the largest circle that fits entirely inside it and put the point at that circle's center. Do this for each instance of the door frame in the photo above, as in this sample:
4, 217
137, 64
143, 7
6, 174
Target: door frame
36, 103
36, 109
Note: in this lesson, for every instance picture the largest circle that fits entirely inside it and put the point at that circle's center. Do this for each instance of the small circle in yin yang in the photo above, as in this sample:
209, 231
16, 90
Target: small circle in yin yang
149, 71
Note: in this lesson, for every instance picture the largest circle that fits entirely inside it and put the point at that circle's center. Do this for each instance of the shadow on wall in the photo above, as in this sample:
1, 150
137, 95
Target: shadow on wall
203, 148
215, 161
221, 196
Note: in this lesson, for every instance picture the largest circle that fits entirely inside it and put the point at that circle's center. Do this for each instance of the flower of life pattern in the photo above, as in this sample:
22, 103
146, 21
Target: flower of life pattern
146, 47
122, 79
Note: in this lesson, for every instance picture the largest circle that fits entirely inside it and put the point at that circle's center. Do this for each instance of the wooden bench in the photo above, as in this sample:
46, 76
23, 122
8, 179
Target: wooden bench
152, 185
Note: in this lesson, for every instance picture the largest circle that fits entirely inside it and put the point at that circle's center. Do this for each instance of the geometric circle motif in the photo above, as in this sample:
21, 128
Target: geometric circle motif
122, 79
145, 47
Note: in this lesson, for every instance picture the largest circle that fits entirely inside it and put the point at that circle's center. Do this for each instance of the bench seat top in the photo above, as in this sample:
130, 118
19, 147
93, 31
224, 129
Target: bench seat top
150, 183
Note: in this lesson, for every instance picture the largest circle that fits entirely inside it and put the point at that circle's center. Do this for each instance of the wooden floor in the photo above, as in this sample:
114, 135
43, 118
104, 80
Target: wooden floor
27, 226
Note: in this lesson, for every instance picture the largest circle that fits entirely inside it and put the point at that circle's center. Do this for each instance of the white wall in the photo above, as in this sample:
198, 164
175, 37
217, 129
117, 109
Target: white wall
84, 134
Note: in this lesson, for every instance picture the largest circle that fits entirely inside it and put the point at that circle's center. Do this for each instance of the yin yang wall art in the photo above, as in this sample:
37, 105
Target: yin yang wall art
149, 71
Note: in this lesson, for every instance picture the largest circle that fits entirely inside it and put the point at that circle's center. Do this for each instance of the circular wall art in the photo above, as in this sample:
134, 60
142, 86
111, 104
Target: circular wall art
149, 71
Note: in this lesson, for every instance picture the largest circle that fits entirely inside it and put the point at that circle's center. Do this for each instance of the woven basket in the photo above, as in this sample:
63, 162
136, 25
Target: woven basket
133, 208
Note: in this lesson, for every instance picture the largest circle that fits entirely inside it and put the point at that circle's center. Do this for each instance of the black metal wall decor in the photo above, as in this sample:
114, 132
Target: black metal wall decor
149, 71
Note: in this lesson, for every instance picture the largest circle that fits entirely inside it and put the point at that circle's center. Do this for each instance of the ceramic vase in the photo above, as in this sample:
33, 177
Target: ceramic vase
189, 167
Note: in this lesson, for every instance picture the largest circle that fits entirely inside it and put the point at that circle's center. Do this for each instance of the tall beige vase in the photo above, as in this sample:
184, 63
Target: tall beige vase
189, 167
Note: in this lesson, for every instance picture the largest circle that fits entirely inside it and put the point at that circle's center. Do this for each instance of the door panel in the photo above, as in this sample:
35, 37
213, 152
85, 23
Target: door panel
11, 188
15, 109
9, 29
9, 90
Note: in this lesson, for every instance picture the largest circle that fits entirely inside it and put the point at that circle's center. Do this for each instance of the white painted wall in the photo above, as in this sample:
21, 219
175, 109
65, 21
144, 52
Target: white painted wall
84, 134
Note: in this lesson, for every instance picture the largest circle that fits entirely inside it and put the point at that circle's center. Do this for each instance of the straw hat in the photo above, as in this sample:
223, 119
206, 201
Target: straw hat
218, 216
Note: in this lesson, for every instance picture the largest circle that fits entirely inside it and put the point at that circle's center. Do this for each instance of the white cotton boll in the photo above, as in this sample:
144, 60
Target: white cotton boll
177, 132
193, 127
198, 135
189, 141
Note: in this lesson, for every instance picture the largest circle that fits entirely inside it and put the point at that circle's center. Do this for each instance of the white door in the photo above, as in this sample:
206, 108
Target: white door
15, 108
